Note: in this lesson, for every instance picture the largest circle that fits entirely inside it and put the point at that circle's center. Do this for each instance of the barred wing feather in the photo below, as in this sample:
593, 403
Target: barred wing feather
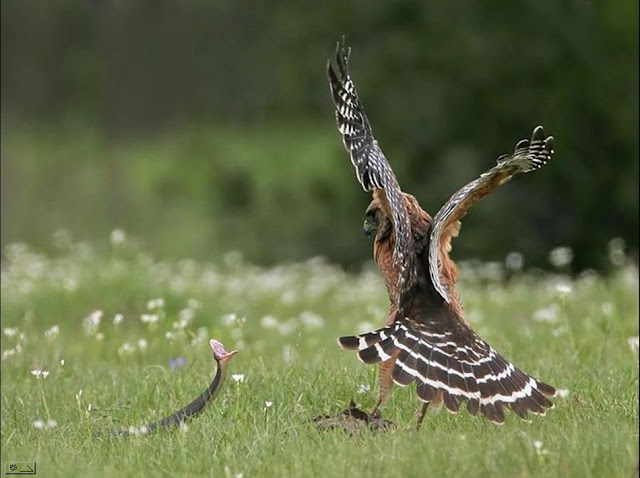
527, 156
372, 168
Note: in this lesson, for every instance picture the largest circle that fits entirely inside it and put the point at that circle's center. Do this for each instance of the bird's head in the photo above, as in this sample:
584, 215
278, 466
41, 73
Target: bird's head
371, 219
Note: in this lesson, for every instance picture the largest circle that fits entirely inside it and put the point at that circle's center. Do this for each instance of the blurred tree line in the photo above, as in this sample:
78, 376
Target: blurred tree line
205, 126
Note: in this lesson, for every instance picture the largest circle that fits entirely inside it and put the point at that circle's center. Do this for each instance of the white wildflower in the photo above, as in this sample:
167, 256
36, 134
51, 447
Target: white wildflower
268, 404
10, 331
548, 314
616, 251
228, 473
229, 319
492, 271
514, 261
563, 392
237, 377
557, 332
363, 327
99, 336
287, 327
563, 287
149, 318
62, 362
52, 332
587, 279
143, 344
311, 320
269, 322
117, 237
170, 335
143, 430
633, 342
40, 373
186, 315
288, 297
538, 446
38, 424
92, 321
630, 277
154, 304
201, 336
8, 353
561, 256
178, 284
117, 319
125, 349
180, 324
51, 423
194, 304
364, 388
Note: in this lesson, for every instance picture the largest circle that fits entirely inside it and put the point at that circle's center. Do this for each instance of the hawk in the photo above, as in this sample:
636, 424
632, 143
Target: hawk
426, 338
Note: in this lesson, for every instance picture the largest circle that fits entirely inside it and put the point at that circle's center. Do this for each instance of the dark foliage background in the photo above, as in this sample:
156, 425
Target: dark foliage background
207, 126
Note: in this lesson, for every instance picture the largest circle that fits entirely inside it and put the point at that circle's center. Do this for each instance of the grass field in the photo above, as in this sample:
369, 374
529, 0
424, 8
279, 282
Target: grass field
106, 330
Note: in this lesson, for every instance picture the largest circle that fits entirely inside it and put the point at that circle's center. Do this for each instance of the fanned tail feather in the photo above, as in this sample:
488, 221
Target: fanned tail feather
362, 341
454, 373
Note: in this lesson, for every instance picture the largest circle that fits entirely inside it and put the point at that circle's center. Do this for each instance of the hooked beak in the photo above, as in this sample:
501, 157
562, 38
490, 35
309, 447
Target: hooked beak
368, 228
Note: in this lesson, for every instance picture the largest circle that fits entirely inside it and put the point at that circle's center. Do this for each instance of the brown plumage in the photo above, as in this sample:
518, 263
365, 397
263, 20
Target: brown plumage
426, 338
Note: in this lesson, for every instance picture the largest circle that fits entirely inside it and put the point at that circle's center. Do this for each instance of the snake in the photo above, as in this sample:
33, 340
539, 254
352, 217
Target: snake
222, 358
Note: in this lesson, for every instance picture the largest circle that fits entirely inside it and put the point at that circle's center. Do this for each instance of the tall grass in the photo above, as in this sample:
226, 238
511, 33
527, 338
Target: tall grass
107, 329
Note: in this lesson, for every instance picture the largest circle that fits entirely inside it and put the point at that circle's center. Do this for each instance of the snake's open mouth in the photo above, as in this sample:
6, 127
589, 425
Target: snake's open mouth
219, 352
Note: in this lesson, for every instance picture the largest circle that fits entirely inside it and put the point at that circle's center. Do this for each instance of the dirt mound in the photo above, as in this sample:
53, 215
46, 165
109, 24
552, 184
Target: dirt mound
354, 421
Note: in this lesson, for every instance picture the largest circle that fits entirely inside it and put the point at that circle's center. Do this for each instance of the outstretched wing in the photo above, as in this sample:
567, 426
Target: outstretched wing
372, 169
527, 156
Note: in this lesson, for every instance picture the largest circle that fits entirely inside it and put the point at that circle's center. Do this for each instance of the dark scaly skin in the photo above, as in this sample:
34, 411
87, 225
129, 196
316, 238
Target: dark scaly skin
222, 358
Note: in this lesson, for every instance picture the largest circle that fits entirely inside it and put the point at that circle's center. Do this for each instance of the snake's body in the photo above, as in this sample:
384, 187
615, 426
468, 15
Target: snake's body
222, 358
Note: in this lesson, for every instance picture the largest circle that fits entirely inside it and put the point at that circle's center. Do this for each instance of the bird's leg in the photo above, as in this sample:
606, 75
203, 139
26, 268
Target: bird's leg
385, 380
421, 414
435, 402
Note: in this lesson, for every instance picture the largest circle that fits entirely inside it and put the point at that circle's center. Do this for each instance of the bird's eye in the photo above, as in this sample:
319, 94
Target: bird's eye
371, 216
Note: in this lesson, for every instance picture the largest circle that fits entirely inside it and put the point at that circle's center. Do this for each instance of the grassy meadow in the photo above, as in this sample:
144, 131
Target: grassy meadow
94, 340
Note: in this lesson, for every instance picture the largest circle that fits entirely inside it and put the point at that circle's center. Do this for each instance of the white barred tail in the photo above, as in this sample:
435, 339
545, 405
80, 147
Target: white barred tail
472, 372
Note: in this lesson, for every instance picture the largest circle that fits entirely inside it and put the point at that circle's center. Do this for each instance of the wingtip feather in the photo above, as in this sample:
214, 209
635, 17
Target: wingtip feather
348, 342
538, 134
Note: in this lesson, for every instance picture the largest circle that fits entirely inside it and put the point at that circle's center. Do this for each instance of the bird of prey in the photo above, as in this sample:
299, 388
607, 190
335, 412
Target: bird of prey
426, 338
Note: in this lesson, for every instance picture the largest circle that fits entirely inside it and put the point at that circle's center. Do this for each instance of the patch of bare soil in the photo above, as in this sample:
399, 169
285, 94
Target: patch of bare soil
354, 421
